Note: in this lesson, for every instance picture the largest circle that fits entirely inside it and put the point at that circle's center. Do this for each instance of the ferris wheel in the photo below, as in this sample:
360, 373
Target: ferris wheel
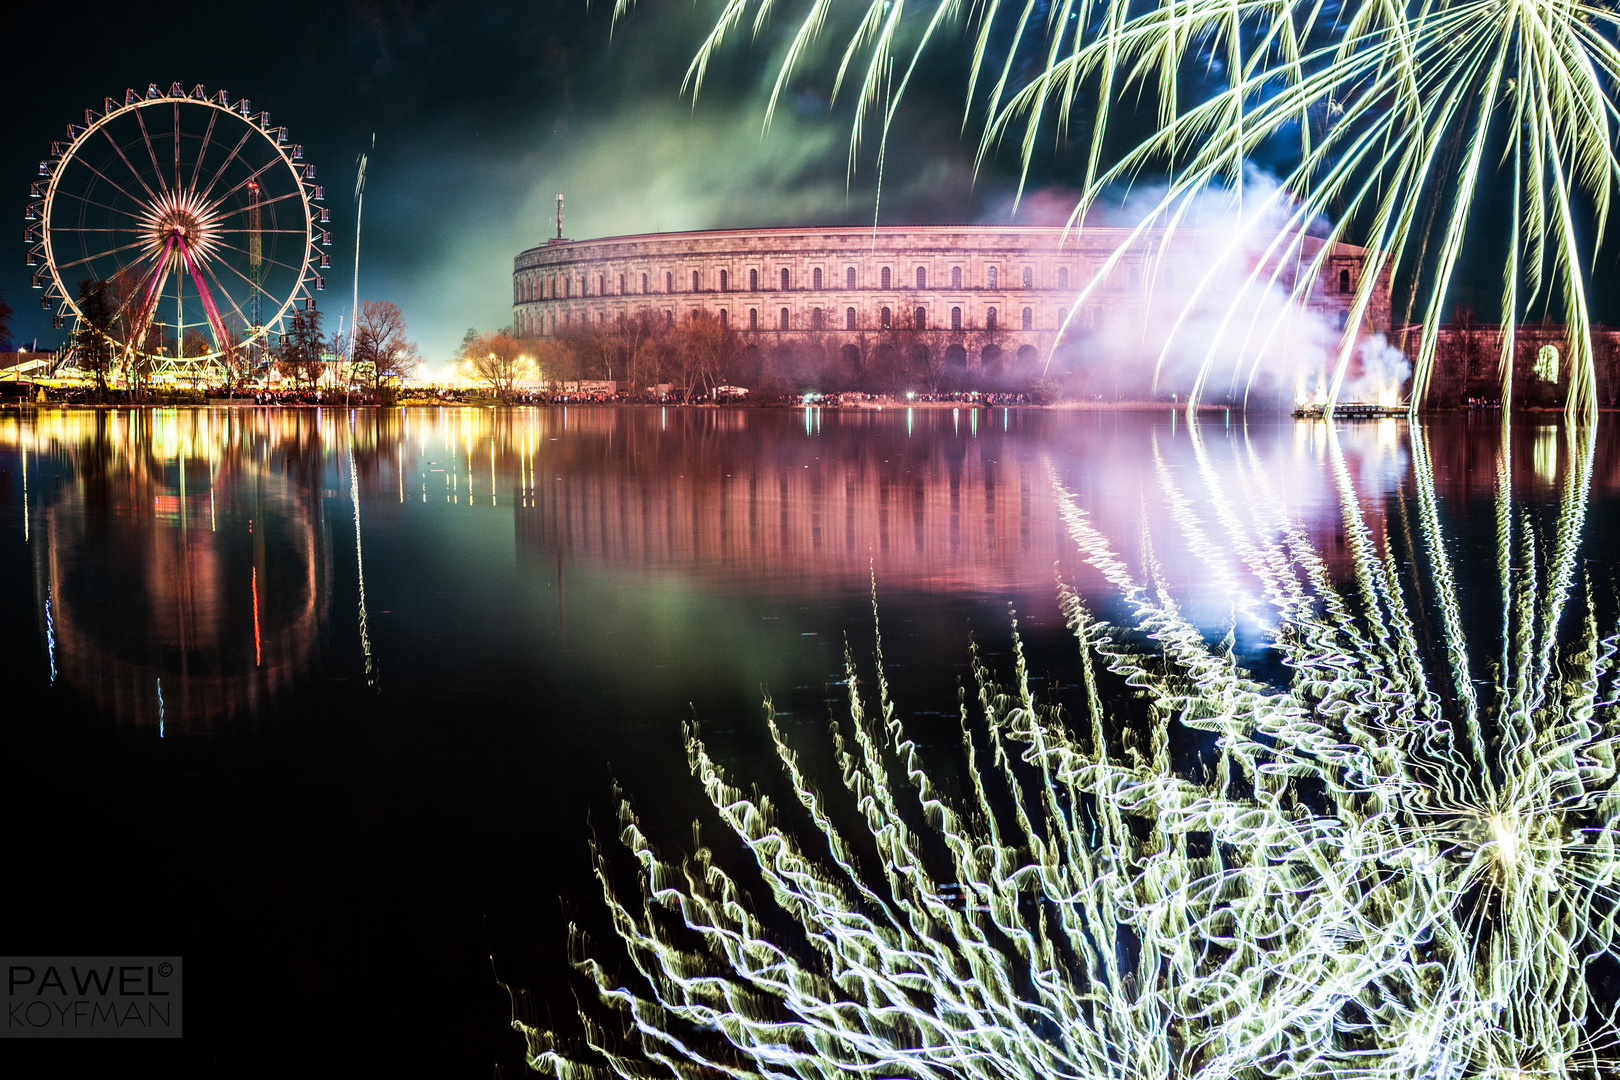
194, 221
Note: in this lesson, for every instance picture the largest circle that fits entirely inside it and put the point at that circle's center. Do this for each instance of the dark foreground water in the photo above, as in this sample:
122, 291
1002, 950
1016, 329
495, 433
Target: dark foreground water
330, 703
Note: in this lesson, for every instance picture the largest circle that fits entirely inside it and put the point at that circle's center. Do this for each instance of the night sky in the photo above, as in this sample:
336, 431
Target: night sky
482, 114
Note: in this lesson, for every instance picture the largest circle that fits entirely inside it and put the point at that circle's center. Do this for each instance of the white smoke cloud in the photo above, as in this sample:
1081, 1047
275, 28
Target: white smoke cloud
1201, 312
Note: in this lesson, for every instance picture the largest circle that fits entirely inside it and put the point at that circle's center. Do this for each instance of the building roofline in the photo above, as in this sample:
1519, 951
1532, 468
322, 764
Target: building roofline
805, 231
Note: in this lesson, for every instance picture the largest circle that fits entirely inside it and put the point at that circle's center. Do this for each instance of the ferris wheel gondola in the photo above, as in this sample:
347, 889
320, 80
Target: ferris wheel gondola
196, 215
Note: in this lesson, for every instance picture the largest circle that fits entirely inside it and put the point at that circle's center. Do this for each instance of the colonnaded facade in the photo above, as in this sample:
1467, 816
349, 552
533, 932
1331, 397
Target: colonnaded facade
1014, 285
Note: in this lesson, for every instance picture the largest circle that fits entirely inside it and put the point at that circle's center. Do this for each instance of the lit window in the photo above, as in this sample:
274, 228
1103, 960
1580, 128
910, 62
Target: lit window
849, 318
956, 318
1029, 318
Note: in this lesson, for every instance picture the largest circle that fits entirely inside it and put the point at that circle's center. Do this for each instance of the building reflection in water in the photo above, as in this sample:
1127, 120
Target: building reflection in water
181, 576
183, 559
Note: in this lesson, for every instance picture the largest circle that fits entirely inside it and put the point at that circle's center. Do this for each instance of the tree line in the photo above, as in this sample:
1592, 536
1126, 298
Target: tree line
701, 353
376, 355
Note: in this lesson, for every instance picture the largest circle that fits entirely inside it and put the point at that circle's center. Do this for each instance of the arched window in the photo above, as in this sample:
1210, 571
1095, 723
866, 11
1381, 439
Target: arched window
1344, 281
644, 284
849, 278
753, 281
816, 278
1029, 277
669, 282
724, 283
1063, 316
669, 316
1029, 318
922, 277
1344, 318
815, 316
583, 291
886, 277
956, 318
694, 316
1063, 277
784, 318
990, 277
723, 312
621, 284
849, 318
919, 319
566, 289
601, 284
601, 317
956, 277
784, 281
990, 320
885, 318
753, 318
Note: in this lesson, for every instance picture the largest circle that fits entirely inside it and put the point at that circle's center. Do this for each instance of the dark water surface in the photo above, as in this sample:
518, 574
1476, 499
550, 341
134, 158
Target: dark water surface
328, 703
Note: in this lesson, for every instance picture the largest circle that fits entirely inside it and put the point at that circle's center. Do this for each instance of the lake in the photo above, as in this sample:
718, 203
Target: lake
331, 703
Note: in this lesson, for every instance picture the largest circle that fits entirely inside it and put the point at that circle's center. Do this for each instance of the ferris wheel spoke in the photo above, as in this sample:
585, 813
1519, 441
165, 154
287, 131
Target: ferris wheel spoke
115, 185
250, 178
100, 255
208, 272
151, 151
130, 165
203, 196
177, 146
299, 269
202, 153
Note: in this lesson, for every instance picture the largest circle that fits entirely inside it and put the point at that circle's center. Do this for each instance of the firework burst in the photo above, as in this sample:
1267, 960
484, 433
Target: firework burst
1398, 861
1409, 129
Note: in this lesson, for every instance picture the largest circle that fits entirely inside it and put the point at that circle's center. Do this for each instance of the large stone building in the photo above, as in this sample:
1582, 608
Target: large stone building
1016, 283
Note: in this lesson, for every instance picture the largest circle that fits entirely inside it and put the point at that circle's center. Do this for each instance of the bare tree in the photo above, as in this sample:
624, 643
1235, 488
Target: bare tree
301, 354
382, 355
497, 361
